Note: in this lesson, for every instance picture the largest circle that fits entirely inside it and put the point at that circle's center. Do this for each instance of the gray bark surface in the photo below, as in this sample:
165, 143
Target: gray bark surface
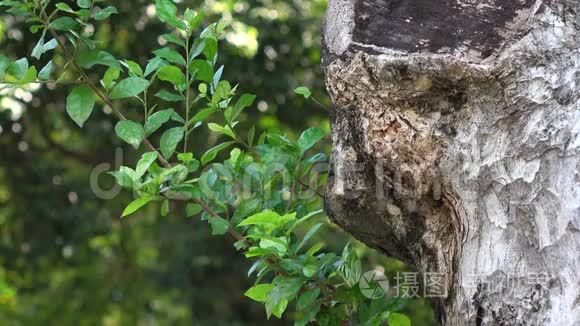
456, 133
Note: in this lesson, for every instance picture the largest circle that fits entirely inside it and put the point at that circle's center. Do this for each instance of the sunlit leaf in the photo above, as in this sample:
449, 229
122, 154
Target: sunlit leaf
111, 75
128, 87
136, 205
167, 12
203, 70
169, 141
304, 91
18, 68
84, 3
156, 120
171, 74
259, 292
170, 55
133, 67
309, 138
80, 103
397, 319
130, 132
144, 163
45, 72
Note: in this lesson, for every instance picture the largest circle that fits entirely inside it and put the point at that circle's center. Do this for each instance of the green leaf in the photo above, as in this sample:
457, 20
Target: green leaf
308, 235
309, 138
64, 24
37, 51
173, 39
123, 179
309, 270
170, 55
219, 226
243, 102
203, 69
50, 45
156, 120
279, 309
212, 153
251, 134
193, 165
4, 63
304, 91
29, 76
217, 76
210, 50
193, 18
153, 64
105, 13
176, 117
167, 13
169, 141
192, 209
42, 47
136, 204
111, 75
88, 59
165, 208
80, 103
196, 48
45, 72
202, 115
286, 288
64, 7
144, 163
397, 319
84, 3
169, 96
171, 74
130, 132
222, 130
128, 87
307, 298
302, 220
185, 157
133, 67
18, 68
222, 91
267, 217
259, 292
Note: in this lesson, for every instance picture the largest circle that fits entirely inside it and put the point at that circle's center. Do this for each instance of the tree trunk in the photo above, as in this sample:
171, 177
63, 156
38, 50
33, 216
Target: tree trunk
456, 132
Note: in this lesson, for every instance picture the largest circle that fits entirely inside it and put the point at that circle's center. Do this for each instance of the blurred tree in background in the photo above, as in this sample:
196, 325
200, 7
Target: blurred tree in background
65, 256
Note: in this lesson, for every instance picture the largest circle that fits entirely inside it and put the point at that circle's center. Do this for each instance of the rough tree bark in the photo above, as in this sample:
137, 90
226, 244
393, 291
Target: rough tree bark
456, 131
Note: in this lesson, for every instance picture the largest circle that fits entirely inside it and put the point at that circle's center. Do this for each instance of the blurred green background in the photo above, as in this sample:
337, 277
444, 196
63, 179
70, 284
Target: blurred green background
66, 258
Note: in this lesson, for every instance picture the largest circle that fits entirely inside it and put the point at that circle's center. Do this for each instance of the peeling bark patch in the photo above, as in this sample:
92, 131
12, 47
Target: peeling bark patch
437, 25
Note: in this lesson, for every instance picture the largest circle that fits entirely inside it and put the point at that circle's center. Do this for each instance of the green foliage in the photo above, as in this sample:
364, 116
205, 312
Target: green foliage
304, 91
258, 194
129, 87
80, 103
